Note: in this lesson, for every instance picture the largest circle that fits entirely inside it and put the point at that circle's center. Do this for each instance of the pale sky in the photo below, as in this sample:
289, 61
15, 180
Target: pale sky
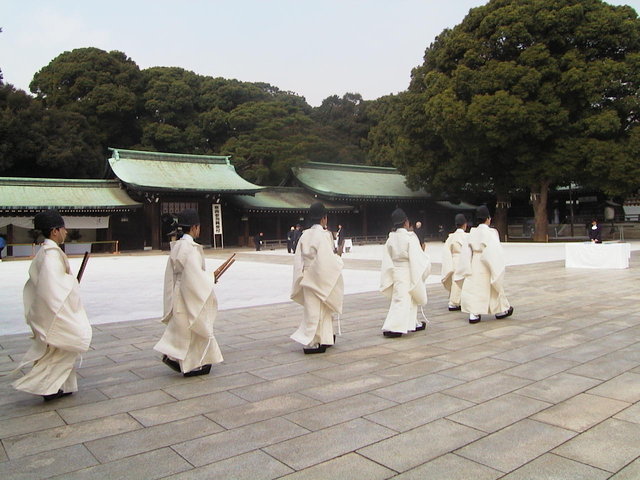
315, 48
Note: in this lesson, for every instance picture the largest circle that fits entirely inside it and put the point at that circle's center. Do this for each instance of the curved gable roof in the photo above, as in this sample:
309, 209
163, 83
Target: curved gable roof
178, 172
64, 194
339, 181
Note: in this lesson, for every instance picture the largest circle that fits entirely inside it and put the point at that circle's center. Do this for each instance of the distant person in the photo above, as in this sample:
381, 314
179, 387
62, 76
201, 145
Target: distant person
419, 231
296, 236
442, 234
405, 268
257, 240
3, 243
454, 245
317, 283
190, 305
290, 235
53, 310
595, 232
483, 267
340, 237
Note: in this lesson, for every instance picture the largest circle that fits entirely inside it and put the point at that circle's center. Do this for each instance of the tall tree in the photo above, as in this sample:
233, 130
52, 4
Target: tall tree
345, 123
39, 142
523, 95
102, 86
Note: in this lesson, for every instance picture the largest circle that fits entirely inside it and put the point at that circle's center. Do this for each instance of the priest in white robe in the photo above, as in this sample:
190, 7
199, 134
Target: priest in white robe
405, 268
190, 306
54, 312
317, 283
483, 266
453, 246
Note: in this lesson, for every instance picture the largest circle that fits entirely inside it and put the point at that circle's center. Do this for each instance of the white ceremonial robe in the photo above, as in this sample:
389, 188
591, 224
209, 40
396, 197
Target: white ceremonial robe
452, 281
61, 329
317, 286
483, 266
190, 308
405, 268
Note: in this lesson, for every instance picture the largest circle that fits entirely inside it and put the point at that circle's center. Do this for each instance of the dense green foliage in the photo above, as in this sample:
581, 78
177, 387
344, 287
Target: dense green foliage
522, 95
88, 100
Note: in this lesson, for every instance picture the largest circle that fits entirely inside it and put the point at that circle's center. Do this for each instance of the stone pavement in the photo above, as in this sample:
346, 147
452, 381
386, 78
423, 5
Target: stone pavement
552, 392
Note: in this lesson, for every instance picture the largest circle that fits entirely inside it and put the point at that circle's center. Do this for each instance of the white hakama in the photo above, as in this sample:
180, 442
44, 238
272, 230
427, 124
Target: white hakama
317, 286
405, 268
61, 329
483, 266
452, 281
190, 308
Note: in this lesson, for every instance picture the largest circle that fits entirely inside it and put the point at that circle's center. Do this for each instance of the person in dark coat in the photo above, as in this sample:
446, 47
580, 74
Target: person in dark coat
595, 232
290, 235
257, 240
296, 236
419, 231
340, 237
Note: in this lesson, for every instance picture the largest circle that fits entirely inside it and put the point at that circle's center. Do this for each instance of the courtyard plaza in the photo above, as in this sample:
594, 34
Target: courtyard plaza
550, 393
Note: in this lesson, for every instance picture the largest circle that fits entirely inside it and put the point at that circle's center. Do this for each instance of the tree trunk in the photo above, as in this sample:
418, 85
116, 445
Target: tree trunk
539, 196
500, 216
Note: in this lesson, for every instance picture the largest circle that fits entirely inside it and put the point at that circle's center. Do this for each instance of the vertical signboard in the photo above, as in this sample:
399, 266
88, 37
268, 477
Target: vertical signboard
216, 211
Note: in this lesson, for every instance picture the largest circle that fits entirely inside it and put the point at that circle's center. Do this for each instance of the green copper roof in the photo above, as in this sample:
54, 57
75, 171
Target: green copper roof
177, 172
355, 181
284, 199
40, 193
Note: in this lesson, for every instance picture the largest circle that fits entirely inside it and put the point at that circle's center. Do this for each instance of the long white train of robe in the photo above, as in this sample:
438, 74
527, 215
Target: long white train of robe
61, 329
190, 308
452, 281
483, 266
405, 268
317, 286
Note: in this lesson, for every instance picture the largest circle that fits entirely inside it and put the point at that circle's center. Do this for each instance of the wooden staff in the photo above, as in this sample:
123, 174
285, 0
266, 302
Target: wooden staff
223, 268
85, 259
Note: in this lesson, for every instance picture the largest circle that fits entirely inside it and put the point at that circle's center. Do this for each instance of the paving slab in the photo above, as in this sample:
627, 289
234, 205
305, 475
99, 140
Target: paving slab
515, 445
421, 411
499, 412
558, 387
150, 465
113, 447
190, 407
450, 467
240, 440
610, 446
581, 412
630, 472
316, 447
347, 466
48, 463
554, 467
340, 411
255, 465
415, 447
31, 443
253, 412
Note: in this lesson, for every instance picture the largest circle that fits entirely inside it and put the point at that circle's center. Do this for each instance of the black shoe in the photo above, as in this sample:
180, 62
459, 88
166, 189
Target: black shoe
172, 364
318, 349
475, 320
392, 334
455, 309
53, 396
203, 370
422, 326
508, 313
